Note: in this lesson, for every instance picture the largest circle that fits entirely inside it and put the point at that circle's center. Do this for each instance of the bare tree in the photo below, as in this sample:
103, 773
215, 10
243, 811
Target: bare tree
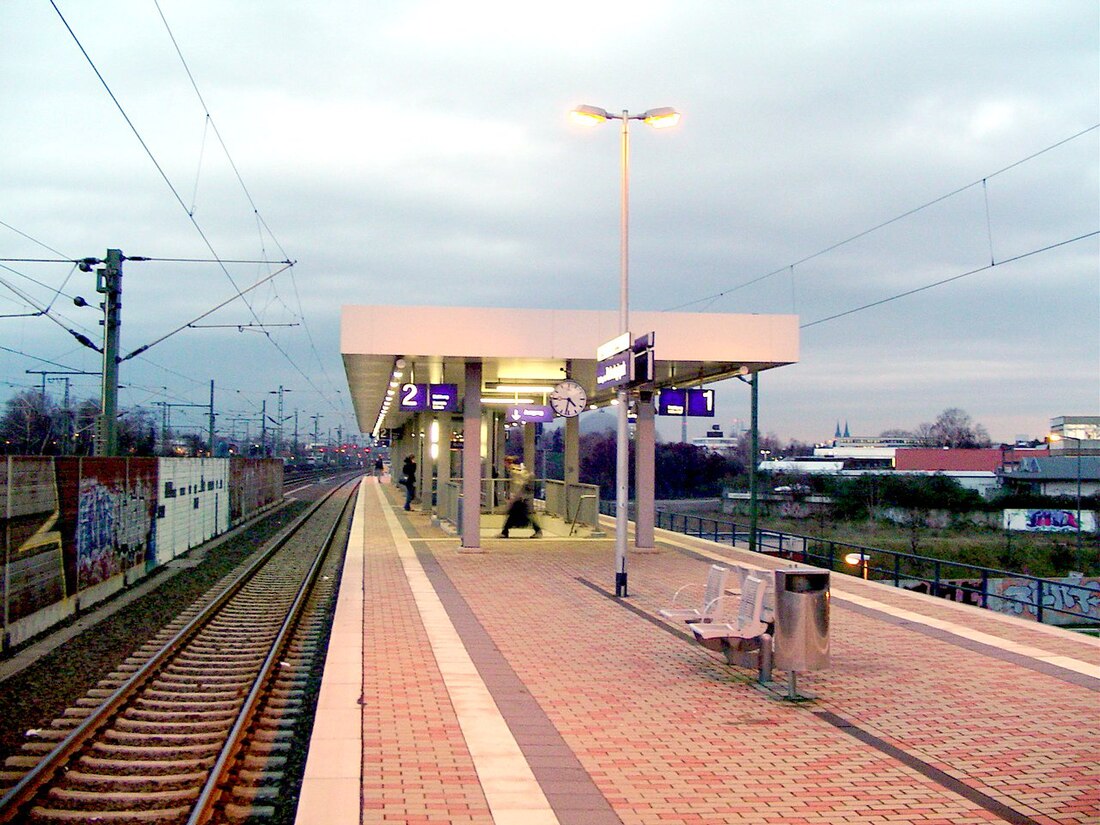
925, 435
27, 426
955, 428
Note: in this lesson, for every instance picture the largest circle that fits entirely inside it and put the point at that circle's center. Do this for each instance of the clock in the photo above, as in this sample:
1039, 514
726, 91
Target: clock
568, 398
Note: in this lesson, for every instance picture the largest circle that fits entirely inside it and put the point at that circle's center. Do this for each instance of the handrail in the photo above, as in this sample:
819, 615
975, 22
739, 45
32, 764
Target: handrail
823, 550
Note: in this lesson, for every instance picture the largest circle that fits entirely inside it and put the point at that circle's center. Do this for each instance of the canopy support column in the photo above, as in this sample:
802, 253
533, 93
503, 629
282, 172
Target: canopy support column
644, 461
471, 457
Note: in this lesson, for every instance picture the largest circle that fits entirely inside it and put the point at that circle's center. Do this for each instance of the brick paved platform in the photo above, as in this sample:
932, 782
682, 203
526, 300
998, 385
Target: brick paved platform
510, 687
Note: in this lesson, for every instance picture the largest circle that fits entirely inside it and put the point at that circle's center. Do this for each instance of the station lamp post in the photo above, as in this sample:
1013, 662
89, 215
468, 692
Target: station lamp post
661, 118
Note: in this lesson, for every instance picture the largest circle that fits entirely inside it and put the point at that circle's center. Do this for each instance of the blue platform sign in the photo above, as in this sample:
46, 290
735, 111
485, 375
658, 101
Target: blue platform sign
428, 397
443, 397
686, 402
412, 397
522, 413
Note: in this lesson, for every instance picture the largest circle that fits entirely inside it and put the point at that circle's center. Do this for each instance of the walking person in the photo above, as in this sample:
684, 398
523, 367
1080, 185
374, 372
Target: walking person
520, 512
408, 478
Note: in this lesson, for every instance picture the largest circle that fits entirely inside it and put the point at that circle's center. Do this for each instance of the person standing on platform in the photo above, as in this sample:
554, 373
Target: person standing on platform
408, 478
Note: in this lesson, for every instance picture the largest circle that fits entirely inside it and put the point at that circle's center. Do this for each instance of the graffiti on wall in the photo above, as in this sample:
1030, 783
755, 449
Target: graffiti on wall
1049, 520
1054, 520
29, 533
114, 528
1071, 600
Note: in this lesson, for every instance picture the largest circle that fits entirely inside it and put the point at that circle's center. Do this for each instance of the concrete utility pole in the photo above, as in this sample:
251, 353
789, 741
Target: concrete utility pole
263, 429
109, 283
279, 426
211, 417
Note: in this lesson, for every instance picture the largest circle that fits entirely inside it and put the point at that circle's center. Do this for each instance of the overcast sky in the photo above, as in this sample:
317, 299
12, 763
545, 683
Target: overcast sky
419, 153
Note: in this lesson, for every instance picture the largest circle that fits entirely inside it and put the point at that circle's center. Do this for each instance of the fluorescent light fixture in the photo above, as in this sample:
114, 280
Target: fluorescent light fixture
618, 344
507, 401
518, 388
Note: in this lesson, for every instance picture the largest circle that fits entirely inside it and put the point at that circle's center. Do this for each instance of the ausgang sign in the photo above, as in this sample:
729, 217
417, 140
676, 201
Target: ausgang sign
528, 412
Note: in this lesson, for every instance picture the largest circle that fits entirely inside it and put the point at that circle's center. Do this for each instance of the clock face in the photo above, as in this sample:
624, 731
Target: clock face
568, 398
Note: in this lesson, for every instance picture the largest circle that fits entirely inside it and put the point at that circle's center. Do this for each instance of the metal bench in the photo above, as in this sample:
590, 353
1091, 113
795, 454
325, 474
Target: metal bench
745, 633
713, 591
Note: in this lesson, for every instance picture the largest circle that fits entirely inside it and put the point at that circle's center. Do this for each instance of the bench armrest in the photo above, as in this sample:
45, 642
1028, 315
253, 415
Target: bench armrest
692, 586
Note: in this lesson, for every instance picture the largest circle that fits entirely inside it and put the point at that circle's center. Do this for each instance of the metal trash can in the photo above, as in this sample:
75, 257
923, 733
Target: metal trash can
801, 638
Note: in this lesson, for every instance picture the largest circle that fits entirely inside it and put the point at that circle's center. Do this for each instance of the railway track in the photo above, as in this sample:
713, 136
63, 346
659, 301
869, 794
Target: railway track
197, 725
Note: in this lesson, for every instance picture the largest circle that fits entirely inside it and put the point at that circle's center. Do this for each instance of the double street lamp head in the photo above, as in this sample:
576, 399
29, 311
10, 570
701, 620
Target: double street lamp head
660, 118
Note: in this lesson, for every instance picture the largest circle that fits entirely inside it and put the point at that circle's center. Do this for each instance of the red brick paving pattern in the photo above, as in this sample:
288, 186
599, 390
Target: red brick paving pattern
416, 767
668, 733
671, 734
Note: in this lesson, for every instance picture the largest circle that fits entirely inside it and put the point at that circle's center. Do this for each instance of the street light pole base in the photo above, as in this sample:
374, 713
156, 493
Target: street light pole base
620, 584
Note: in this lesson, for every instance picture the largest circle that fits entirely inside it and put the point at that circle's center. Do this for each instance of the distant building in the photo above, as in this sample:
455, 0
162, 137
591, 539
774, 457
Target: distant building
1055, 475
716, 441
1075, 432
862, 452
939, 459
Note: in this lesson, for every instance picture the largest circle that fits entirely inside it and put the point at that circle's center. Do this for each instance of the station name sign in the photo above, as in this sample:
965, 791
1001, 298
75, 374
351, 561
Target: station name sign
428, 397
686, 402
625, 361
615, 371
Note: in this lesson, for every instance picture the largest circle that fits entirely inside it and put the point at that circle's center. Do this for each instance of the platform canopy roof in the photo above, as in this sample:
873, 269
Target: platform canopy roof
539, 347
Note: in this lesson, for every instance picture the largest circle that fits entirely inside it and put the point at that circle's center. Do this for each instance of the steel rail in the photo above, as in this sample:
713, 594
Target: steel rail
204, 806
27, 788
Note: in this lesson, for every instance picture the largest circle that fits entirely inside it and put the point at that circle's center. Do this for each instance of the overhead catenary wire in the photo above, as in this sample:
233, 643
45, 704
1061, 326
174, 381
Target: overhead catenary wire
83, 339
908, 213
261, 221
153, 159
179, 199
206, 314
958, 277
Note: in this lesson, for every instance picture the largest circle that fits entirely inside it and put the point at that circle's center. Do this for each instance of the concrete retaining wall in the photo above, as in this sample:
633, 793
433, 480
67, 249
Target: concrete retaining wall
77, 530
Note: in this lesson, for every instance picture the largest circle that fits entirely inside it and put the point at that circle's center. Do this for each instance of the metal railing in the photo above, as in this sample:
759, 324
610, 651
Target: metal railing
573, 502
966, 583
